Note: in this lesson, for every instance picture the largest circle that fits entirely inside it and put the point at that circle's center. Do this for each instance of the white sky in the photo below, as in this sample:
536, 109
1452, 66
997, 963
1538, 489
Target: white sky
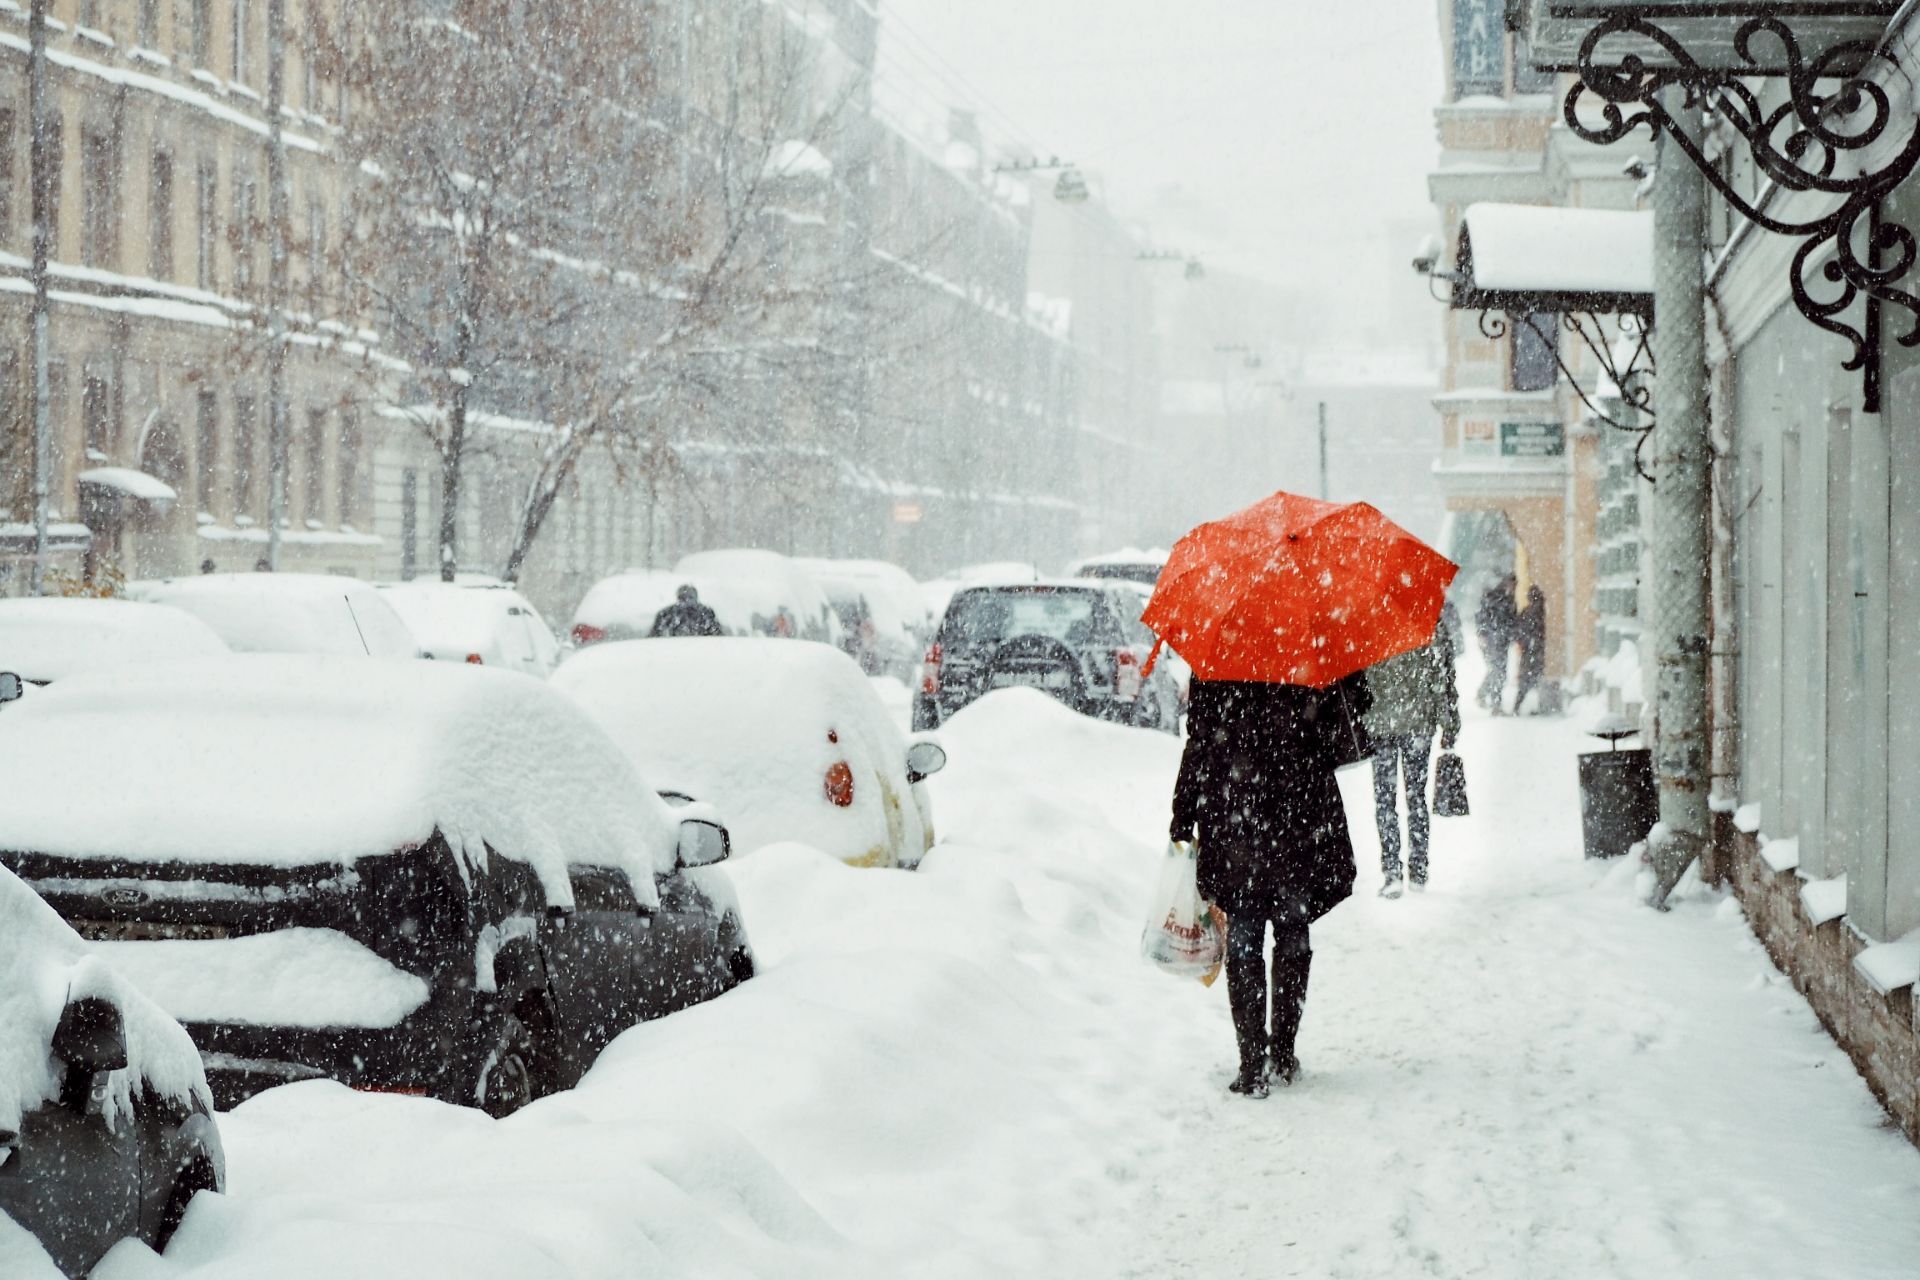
1274, 137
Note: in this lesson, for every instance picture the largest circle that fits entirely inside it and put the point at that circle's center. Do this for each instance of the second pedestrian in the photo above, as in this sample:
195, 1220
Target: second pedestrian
1414, 696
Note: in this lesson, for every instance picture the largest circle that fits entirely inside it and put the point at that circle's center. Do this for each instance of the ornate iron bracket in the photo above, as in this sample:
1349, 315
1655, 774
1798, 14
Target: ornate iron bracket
1629, 378
1813, 142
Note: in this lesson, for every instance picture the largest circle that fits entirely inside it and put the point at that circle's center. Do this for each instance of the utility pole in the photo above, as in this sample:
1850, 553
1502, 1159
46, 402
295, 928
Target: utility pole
278, 445
41, 179
1324, 493
1682, 509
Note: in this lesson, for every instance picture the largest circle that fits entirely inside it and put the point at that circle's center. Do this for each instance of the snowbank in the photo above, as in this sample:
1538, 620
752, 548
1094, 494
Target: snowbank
44, 965
291, 759
752, 726
290, 977
288, 612
50, 639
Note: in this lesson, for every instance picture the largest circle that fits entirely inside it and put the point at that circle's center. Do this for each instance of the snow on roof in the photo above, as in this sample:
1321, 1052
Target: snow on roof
771, 580
449, 620
998, 571
53, 638
287, 760
797, 157
1546, 249
135, 484
288, 612
1126, 555
744, 724
43, 965
890, 591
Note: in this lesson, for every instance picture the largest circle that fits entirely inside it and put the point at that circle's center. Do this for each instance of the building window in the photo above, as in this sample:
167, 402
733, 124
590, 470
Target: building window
207, 210
316, 465
206, 433
347, 469
1535, 339
245, 434
100, 204
240, 10
96, 408
310, 80
316, 243
149, 21
242, 233
160, 218
7, 160
409, 523
1525, 78
1479, 48
202, 32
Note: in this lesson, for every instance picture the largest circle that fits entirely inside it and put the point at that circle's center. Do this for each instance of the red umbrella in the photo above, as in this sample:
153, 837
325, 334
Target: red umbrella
1293, 590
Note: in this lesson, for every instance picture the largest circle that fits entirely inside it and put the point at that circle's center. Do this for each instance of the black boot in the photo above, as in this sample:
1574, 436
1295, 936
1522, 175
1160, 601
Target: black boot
1289, 1005
1247, 995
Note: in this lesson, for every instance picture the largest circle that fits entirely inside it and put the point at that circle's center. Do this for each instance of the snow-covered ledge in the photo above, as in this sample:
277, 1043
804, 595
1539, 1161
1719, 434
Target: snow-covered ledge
1823, 900
1889, 966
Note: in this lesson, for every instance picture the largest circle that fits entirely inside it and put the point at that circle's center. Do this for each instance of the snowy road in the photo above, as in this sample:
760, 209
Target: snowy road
966, 1072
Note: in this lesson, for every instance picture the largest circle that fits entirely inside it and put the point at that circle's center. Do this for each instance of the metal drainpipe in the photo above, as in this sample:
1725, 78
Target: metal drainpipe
1682, 536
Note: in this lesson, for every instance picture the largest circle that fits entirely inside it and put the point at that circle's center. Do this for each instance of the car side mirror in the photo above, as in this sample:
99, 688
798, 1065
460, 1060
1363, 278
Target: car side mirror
703, 843
924, 759
12, 687
90, 1035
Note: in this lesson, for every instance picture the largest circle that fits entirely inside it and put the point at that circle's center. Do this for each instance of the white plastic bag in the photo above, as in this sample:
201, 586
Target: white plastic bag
1184, 935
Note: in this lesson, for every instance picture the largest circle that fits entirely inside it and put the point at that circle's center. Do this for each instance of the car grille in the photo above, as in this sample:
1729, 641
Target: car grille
146, 931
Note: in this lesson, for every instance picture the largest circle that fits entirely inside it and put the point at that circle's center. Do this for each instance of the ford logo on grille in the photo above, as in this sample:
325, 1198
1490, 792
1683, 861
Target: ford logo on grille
125, 897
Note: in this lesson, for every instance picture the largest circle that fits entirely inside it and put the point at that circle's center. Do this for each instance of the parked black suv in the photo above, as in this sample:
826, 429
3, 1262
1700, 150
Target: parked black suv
408, 877
1079, 641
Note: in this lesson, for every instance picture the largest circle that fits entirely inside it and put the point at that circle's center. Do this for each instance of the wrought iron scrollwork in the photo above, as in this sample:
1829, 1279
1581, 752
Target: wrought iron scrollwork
1814, 141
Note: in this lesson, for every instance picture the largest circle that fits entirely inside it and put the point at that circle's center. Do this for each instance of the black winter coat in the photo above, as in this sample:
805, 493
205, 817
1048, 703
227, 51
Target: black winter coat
686, 618
1256, 785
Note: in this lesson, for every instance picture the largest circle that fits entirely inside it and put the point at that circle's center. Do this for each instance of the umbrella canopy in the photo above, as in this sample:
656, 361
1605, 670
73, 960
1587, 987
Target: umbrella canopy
1293, 590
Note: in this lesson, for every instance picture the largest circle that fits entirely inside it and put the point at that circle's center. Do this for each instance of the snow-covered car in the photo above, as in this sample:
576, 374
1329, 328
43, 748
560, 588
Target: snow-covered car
1075, 639
287, 612
786, 741
624, 606
106, 1124
51, 638
880, 609
484, 624
403, 875
1130, 565
782, 599
1171, 684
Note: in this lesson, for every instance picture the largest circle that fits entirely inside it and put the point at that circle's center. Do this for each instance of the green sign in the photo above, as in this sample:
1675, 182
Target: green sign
1532, 440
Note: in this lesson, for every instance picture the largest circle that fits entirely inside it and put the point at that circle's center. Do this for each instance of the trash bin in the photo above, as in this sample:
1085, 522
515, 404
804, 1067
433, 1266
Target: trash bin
1619, 802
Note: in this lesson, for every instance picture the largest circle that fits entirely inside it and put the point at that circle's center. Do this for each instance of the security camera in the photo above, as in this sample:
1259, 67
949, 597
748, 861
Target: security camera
1425, 263
1636, 168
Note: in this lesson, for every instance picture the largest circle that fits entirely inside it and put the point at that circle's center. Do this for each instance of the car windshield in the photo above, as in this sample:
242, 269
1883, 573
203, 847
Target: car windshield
989, 617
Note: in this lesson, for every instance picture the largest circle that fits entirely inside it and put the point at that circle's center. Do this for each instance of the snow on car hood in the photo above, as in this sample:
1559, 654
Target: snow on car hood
290, 977
43, 965
285, 760
743, 724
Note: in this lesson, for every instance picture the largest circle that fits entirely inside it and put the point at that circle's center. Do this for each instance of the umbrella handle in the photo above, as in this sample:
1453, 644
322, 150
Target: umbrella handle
1152, 657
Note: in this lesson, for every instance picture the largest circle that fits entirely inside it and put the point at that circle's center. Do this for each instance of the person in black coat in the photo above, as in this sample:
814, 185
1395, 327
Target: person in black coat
1496, 620
1530, 629
1256, 787
686, 616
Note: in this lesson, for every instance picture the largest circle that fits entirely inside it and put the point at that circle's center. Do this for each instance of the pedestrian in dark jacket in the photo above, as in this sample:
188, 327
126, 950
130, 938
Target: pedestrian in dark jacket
1414, 697
1530, 629
1495, 620
1256, 787
686, 616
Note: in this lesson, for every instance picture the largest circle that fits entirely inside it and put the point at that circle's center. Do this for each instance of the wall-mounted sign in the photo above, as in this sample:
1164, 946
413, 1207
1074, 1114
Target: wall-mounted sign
1532, 440
907, 512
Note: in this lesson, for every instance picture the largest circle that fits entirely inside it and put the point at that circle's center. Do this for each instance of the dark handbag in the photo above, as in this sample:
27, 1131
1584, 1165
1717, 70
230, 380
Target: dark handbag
1449, 786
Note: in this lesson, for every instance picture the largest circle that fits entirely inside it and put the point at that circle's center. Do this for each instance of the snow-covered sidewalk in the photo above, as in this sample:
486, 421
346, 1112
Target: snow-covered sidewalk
966, 1072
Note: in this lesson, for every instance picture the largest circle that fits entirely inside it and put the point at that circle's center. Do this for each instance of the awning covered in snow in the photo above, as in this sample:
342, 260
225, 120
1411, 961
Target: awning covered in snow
1538, 258
128, 483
